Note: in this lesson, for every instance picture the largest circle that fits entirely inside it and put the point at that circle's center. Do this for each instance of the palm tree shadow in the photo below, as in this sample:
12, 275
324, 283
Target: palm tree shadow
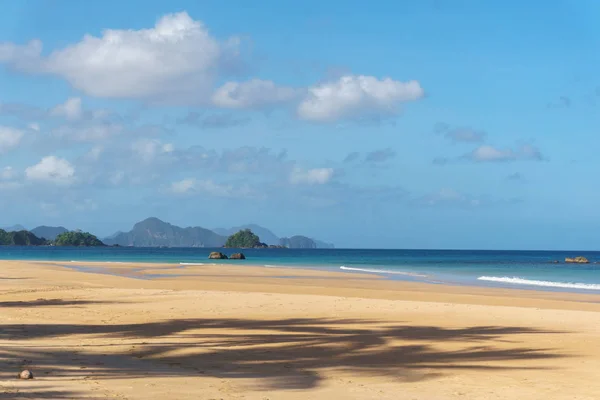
273, 354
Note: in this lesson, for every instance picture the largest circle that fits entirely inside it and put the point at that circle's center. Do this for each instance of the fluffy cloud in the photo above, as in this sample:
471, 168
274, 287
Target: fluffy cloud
71, 109
9, 138
356, 96
255, 93
53, 170
487, 153
176, 59
315, 176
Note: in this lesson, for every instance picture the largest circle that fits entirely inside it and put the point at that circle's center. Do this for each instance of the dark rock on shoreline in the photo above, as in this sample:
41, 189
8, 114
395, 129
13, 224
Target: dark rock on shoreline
237, 256
215, 255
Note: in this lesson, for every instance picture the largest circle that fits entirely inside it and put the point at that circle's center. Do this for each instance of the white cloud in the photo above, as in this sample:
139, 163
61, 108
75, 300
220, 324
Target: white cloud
24, 58
148, 149
183, 186
487, 153
52, 169
176, 59
207, 186
254, 93
9, 138
354, 96
70, 109
315, 176
34, 126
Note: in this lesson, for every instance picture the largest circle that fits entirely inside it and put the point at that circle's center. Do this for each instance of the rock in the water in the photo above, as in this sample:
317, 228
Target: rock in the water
237, 256
215, 255
26, 374
577, 260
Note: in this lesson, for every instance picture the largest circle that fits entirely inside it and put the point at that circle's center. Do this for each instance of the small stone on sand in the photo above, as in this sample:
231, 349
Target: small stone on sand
26, 374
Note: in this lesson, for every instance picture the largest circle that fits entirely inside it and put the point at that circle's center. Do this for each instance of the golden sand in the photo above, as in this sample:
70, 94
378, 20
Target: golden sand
227, 332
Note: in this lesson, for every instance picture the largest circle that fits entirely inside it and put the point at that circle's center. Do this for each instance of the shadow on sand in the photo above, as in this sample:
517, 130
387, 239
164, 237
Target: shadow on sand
281, 354
49, 303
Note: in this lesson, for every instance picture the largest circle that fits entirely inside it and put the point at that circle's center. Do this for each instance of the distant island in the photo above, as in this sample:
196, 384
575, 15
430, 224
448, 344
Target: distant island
27, 238
153, 232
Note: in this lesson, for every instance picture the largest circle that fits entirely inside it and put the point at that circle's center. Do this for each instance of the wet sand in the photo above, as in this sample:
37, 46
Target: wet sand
135, 331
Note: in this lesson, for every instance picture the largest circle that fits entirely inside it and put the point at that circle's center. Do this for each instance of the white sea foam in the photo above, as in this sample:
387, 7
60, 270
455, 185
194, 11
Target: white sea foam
181, 263
531, 282
382, 271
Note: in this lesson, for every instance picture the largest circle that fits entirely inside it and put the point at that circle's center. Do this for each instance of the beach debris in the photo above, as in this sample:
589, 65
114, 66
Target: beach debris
577, 260
216, 255
26, 374
237, 256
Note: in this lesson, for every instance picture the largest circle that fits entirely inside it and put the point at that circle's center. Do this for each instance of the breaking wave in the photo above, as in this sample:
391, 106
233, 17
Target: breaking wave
531, 282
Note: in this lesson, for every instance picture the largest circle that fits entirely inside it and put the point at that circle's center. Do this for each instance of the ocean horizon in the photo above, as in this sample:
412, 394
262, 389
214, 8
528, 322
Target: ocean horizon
524, 269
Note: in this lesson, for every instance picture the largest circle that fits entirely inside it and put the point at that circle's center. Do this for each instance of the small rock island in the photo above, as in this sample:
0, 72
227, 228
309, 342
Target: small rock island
577, 260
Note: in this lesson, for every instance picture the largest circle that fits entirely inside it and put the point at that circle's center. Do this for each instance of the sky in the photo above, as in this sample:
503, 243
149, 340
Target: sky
383, 124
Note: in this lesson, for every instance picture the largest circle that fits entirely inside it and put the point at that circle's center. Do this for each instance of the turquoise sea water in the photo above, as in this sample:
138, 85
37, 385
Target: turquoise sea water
523, 269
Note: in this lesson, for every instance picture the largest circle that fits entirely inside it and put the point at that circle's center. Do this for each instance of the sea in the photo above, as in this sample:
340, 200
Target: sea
536, 270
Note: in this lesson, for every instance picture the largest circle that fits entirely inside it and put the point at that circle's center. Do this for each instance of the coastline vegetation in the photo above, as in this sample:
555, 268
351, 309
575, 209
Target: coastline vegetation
244, 239
26, 238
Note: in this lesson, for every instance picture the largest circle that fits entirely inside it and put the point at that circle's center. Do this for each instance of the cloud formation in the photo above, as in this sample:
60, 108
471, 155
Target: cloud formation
177, 57
487, 153
255, 93
211, 188
9, 138
354, 96
178, 62
52, 169
315, 176
71, 109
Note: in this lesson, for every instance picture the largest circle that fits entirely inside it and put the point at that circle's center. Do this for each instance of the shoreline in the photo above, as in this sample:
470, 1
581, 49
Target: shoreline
521, 270
257, 278
401, 276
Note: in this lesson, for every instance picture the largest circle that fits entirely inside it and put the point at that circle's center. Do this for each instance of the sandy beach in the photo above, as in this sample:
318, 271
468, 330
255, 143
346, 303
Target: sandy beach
134, 331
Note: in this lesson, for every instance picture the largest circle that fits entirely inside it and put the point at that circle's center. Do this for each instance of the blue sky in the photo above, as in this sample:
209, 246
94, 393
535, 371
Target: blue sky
401, 124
